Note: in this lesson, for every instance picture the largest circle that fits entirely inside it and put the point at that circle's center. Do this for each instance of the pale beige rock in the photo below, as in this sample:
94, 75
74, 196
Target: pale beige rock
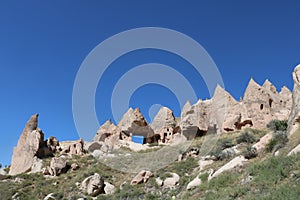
171, 181
141, 177
134, 122
295, 150
203, 163
196, 182
109, 188
28, 146
93, 185
58, 165
164, 118
36, 165
294, 119
106, 130
261, 144
73, 147
236, 162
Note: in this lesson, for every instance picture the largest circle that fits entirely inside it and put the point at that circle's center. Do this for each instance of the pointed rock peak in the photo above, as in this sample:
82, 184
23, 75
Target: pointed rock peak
269, 86
219, 90
107, 123
32, 123
285, 90
252, 83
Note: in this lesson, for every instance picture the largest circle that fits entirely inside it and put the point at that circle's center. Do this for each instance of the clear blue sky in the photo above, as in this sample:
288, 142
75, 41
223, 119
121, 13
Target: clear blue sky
42, 45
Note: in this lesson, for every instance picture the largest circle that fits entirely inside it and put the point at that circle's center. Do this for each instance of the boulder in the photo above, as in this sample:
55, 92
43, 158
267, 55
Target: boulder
171, 181
36, 165
261, 144
196, 182
74, 166
294, 119
31, 140
93, 185
236, 162
141, 177
295, 150
109, 188
58, 165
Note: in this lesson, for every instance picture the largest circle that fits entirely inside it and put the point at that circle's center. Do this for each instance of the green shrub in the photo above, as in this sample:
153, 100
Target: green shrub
278, 125
226, 143
278, 141
245, 137
250, 152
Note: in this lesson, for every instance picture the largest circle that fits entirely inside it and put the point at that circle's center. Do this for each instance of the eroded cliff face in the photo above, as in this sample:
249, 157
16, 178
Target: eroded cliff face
294, 118
222, 113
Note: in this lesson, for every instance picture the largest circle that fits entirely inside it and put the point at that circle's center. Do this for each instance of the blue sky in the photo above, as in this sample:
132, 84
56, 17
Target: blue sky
42, 45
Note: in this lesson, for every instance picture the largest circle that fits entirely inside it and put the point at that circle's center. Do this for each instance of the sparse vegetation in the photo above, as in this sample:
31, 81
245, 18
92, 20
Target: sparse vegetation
246, 137
278, 141
277, 125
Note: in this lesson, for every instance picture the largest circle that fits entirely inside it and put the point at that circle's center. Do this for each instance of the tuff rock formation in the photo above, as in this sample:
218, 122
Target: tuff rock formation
93, 185
31, 140
133, 122
223, 113
294, 118
164, 118
141, 177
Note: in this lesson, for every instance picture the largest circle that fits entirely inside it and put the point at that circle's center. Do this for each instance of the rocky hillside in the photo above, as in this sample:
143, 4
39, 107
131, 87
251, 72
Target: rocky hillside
219, 148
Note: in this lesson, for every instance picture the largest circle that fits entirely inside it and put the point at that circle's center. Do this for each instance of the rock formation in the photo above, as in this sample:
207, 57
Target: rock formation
294, 118
141, 177
93, 185
164, 118
222, 112
133, 122
30, 142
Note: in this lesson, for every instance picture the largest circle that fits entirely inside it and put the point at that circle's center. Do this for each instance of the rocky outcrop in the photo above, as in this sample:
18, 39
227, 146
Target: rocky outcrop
93, 185
171, 181
109, 188
31, 140
223, 113
236, 162
57, 166
294, 150
106, 130
164, 118
141, 177
196, 182
133, 122
74, 147
294, 118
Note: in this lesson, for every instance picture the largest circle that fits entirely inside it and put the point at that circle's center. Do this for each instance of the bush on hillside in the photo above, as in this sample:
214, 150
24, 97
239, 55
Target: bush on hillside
278, 141
278, 125
245, 137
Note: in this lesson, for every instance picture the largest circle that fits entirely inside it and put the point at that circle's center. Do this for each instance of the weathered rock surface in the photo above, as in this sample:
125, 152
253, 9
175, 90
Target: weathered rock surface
74, 147
295, 150
58, 165
294, 119
236, 162
134, 122
222, 112
109, 188
261, 144
28, 146
106, 131
171, 181
141, 177
196, 182
164, 118
93, 185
